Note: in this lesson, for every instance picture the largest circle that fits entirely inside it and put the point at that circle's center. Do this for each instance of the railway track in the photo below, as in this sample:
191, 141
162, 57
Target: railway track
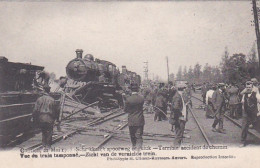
200, 127
157, 136
237, 123
151, 138
101, 132
77, 129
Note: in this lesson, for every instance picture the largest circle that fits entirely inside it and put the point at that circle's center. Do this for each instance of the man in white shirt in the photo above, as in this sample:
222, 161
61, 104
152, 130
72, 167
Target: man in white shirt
209, 105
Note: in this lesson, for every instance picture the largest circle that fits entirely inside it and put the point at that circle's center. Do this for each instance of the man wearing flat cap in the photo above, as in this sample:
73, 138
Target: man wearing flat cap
134, 108
218, 101
255, 89
45, 113
254, 82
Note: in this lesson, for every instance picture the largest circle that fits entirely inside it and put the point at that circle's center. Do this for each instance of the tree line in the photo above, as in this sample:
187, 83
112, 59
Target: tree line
236, 68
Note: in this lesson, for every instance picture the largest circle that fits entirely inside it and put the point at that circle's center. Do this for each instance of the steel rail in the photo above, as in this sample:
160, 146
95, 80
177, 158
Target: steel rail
92, 123
111, 136
200, 127
235, 122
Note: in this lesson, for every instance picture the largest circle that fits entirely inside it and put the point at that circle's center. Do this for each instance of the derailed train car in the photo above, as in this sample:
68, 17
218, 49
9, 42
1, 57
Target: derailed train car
17, 98
98, 80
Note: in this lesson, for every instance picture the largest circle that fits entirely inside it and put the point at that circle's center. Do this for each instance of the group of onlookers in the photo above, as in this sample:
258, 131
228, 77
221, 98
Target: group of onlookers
162, 98
239, 101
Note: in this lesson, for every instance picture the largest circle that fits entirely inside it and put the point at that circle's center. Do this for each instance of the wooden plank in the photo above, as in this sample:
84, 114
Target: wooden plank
15, 118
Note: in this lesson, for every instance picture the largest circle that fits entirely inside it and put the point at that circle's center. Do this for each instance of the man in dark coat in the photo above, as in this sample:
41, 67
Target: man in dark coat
176, 117
45, 113
134, 108
160, 105
250, 112
218, 101
204, 90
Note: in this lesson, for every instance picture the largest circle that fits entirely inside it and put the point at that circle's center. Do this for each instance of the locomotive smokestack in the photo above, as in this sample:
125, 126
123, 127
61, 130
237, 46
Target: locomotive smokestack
79, 53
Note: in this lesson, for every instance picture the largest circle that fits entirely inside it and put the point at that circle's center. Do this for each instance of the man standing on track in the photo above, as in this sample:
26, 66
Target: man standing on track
45, 113
250, 112
204, 90
218, 101
256, 90
209, 105
176, 117
134, 108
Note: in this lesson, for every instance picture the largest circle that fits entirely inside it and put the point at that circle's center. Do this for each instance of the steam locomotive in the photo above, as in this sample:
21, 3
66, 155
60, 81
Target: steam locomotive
98, 80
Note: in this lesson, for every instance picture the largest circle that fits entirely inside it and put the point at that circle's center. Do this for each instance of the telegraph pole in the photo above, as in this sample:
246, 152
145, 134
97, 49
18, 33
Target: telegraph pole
256, 29
168, 70
146, 77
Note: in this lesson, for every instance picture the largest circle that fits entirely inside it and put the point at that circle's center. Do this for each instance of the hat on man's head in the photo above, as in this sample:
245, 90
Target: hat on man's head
249, 82
254, 80
221, 84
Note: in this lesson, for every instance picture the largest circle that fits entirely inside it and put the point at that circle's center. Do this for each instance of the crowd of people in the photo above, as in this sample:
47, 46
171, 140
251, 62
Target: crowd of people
158, 99
241, 101
238, 101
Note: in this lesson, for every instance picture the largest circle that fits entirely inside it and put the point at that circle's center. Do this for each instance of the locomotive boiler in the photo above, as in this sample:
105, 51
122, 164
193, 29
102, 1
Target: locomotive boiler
98, 80
86, 69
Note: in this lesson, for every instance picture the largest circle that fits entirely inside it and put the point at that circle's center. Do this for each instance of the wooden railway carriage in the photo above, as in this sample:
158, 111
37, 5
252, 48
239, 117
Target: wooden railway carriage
17, 98
16, 76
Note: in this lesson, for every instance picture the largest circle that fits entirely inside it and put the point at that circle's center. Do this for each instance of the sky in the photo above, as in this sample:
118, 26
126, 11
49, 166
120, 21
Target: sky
125, 33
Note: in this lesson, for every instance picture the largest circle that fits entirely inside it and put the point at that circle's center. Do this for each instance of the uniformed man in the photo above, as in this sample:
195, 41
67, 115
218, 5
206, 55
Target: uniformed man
218, 101
233, 93
250, 112
134, 108
176, 117
45, 113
